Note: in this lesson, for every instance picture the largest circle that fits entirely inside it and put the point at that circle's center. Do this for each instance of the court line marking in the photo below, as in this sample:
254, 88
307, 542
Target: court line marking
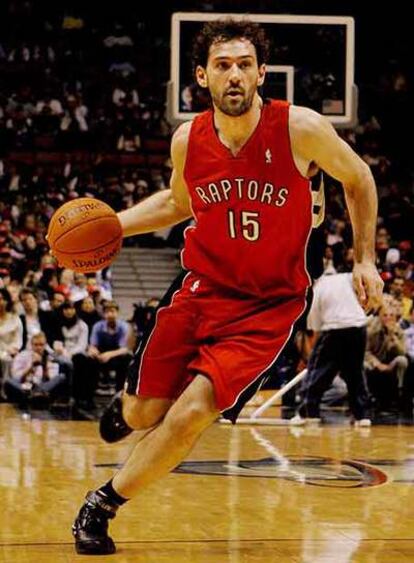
192, 542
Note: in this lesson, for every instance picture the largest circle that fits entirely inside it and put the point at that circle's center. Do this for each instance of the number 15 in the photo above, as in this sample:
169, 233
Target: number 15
250, 226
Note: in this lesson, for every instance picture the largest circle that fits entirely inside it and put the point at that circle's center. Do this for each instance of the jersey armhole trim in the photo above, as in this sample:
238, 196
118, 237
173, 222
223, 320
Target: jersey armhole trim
290, 147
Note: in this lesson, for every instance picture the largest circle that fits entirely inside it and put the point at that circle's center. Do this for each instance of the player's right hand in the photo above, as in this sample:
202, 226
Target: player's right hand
368, 285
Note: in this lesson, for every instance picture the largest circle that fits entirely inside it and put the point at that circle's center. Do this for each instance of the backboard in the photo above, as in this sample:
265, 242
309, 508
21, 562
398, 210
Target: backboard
311, 63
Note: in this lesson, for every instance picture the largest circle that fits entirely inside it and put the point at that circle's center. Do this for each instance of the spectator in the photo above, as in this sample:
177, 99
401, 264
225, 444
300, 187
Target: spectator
404, 270
21, 127
73, 124
46, 287
385, 360
35, 373
14, 289
108, 354
67, 278
340, 323
124, 94
74, 333
10, 334
73, 120
79, 289
144, 316
99, 288
53, 105
51, 318
408, 392
128, 141
46, 123
33, 319
397, 291
328, 262
109, 342
88, 313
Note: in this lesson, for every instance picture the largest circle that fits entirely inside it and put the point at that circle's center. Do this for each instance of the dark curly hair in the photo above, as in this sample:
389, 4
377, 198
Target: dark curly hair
7, 298
222, 30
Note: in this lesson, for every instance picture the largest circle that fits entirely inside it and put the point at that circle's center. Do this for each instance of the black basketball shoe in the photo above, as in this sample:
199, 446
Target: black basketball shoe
90, 528
112, 426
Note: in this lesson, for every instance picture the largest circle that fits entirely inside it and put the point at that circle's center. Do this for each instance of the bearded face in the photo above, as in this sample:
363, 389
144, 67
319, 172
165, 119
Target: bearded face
232, 76
234, 101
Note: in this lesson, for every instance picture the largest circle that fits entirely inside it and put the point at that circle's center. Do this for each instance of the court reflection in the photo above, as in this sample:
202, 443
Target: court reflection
243, 494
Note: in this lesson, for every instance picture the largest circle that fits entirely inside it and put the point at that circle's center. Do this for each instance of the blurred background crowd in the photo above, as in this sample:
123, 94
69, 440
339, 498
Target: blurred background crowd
82, 113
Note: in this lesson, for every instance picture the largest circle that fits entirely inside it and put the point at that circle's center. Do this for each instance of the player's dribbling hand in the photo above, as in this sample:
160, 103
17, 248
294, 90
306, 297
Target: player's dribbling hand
368, 285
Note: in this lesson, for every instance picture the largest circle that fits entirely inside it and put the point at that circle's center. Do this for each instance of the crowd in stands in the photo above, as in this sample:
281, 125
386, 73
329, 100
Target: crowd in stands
81, 88
92, 92
61, 338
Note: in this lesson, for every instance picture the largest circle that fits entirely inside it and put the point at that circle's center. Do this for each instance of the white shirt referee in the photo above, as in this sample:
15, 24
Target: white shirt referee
341, 323
335, 304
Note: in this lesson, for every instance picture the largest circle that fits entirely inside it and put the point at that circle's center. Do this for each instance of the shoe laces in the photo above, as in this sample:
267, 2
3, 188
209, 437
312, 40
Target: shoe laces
93, 519
96, 512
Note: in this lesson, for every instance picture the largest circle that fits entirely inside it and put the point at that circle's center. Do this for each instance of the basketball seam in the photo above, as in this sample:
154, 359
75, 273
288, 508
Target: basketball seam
75, 226
66, 252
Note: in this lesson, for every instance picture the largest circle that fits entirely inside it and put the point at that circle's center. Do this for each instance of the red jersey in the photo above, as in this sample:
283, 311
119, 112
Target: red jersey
253, 211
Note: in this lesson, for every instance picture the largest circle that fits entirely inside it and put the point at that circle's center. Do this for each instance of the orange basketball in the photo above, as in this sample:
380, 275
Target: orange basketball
85, 235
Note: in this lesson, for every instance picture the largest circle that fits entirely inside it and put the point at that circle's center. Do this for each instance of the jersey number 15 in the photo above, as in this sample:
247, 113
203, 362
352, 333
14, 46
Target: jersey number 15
249, 225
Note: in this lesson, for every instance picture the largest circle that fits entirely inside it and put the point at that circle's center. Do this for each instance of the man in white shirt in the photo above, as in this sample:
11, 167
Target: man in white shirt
340, 322
36, 373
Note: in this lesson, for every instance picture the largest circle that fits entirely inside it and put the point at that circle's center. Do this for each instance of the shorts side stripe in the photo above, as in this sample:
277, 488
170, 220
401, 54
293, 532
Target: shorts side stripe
134, 369
233, 411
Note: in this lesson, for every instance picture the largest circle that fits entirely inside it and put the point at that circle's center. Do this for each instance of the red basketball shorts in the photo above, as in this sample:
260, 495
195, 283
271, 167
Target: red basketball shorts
202, 329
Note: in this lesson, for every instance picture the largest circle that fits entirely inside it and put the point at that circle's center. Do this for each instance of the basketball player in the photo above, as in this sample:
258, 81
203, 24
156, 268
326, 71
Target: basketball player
242, 170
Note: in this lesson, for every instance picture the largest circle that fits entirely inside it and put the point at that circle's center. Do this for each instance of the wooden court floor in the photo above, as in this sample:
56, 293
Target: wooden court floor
245, 494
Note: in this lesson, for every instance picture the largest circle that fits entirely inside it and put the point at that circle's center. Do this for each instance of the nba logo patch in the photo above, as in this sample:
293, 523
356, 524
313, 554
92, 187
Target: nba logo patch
268, 156
195, 286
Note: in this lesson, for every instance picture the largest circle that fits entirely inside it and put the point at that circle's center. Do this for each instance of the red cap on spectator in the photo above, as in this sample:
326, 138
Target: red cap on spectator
386, 276
93, 289
5, 251
405, 245
4, 272
62, 289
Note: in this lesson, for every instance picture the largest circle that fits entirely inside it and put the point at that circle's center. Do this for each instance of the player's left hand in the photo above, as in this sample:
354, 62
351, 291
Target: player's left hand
368, 285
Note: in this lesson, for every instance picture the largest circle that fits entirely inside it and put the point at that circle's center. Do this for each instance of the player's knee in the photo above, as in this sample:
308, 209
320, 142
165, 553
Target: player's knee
191, 420
141, 414
138, 420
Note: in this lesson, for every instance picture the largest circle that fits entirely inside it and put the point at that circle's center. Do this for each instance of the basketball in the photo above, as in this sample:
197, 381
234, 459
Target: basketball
85, 235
